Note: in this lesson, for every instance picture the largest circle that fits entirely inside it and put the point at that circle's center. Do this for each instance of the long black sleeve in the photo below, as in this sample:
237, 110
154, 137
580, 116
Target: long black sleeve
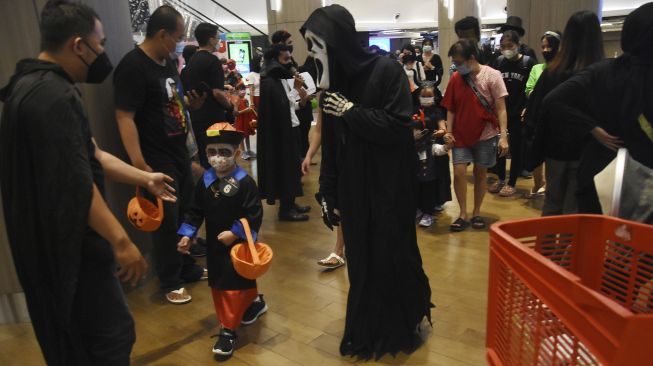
195, 214
329, 167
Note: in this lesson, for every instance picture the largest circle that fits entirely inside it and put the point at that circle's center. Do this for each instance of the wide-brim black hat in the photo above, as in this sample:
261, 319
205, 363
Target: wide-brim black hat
223, 133
513, 23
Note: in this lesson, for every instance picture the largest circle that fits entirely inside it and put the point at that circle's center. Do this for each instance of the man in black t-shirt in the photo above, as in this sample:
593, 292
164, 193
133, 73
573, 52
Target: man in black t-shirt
152, 119
204, 72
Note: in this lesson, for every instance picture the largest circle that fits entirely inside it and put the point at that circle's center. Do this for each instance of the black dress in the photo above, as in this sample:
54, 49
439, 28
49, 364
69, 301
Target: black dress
369, 169
222, 207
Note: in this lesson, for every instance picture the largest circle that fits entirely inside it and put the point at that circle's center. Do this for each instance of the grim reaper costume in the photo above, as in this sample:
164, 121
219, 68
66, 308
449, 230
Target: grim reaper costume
368, 173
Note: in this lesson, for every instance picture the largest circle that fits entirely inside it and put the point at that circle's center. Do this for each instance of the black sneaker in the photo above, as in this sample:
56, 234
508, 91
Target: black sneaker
256, 309
199, 249
302, 209
292, 215
224, 346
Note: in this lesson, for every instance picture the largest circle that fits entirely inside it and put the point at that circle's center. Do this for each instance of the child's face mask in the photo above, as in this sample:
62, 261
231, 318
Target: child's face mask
427, 101
222, 157
242, 93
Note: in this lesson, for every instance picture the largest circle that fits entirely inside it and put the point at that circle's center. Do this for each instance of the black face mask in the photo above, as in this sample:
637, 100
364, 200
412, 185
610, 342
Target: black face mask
290, 48
548, 56
99, 69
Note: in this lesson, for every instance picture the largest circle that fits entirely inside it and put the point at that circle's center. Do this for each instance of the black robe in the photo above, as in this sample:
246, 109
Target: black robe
369, 168
222, 212
47, 171
279, 174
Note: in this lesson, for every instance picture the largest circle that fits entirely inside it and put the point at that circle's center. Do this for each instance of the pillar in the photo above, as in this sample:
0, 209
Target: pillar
449, 12
540, 16
21, 41
291, 15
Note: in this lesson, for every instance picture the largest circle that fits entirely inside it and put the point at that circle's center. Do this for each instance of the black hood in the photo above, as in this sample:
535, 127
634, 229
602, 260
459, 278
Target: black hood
336, 26
28, 66
637, 33
273, 69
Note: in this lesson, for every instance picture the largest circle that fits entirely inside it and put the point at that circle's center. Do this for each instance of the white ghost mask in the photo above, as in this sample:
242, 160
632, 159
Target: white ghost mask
317, 48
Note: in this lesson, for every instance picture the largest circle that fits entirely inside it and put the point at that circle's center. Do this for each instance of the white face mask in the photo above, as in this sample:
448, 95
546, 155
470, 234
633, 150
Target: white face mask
427, 49
427, 101
317, 48
509, 54
223, 164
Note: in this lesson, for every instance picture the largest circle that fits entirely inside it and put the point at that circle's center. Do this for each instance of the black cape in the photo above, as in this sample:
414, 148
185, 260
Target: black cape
369, 168
46, 179
279, 174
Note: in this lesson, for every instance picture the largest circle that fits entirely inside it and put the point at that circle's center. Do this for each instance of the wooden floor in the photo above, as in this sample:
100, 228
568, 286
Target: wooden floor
307, 305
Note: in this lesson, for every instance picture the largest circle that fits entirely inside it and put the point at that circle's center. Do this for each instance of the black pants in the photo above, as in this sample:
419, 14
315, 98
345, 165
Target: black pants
516, 153
100, 313
172, 267
426, 196
199, 129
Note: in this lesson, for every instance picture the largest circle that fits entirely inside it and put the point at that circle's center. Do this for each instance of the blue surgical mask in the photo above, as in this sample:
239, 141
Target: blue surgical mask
463, 69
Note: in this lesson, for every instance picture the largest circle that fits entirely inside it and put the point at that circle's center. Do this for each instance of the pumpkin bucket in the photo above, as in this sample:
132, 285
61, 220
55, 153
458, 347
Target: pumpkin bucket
143, 214
251, 260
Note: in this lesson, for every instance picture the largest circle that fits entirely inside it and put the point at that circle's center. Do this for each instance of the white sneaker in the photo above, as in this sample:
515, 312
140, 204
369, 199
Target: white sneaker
426, 221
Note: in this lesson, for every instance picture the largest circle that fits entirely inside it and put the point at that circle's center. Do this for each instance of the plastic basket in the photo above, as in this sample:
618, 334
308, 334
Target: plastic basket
570, 290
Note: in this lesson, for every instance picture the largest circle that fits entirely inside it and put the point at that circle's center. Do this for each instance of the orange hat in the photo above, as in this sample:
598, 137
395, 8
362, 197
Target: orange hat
223, 133
143, 214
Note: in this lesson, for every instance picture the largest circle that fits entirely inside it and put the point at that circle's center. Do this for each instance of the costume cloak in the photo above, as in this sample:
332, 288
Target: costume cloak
279, 174
369, 170
47, 171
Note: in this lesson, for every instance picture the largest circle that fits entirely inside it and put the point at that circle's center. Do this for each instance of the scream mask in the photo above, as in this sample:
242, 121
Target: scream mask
317, 48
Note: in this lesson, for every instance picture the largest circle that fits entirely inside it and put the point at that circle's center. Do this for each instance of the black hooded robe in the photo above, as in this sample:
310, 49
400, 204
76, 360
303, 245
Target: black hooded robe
47, 172
369, 168
279, 174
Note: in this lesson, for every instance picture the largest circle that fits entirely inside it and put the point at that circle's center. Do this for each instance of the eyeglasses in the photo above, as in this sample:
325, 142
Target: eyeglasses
219, 152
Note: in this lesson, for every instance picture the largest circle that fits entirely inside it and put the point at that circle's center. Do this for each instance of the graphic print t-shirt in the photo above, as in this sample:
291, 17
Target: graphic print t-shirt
155, 94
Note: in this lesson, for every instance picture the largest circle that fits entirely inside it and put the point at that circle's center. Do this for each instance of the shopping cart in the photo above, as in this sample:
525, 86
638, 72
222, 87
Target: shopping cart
570, 290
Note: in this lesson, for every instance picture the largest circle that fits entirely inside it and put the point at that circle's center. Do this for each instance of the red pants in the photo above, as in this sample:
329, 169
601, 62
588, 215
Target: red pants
230, 305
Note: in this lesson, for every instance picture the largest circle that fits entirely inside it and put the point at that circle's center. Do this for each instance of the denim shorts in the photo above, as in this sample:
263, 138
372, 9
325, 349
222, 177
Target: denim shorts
483, 153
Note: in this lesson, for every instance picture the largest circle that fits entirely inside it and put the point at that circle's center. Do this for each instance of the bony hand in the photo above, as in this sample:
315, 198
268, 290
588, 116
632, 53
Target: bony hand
184, 245
336, 104
607, 140
329, 215
158, 184
132, 265
503, 145
195, 101
227, 237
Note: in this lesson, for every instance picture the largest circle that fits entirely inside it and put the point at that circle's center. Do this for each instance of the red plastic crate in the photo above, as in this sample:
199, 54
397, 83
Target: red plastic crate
570, 290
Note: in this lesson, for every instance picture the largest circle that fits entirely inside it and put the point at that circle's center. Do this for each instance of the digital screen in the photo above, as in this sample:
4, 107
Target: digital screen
382, 43
240, 52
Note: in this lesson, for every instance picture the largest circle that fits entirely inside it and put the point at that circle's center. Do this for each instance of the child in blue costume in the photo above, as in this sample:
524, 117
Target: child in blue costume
224, 195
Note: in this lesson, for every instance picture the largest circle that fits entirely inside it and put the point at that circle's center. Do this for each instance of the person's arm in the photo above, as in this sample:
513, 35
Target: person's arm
130, 140
315, 142
448, 137
193, 218
253, 212
500, 105
532, 80
438, 68
119, 171
132, 265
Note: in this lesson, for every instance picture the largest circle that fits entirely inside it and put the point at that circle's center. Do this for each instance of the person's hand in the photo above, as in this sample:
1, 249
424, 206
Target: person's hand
611, 142
503, 145
336, 104
329, 215
227, 237
184, 244
299, 81
158, 184
449, 139
228, 87
306, 164
523, 114
195, 101
132, 265
439, 133
253, 124
417, 134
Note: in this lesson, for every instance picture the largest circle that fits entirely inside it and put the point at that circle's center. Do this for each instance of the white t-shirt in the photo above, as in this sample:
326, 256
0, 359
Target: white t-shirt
254, 78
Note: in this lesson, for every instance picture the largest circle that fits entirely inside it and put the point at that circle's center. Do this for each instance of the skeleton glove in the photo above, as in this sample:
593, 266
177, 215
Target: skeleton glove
329, 215
336, 104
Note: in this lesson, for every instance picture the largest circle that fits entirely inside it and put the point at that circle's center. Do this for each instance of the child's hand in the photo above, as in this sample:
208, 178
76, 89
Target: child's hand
439, 133
184, 245
227, 237
253, 123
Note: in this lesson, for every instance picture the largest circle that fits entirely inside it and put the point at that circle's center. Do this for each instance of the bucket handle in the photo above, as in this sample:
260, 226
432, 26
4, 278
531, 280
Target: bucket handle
250, 241
159, 204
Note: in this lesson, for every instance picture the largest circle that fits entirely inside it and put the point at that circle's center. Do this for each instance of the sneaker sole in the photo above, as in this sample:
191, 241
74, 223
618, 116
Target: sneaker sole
263, 311
221, 353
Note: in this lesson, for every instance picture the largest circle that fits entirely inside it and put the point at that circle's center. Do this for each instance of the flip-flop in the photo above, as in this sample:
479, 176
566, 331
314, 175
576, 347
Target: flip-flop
459, 225
186, 298
477, 222
328, 261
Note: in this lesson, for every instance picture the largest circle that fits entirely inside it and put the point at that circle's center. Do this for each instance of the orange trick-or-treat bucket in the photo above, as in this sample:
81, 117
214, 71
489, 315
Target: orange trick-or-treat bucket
251, 260
143, 214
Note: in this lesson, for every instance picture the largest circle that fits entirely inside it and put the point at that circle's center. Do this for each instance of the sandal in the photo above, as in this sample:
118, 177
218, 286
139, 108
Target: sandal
535, 193
496, 186
507, 191
477, 222
333, 261
459, 225
179, 297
